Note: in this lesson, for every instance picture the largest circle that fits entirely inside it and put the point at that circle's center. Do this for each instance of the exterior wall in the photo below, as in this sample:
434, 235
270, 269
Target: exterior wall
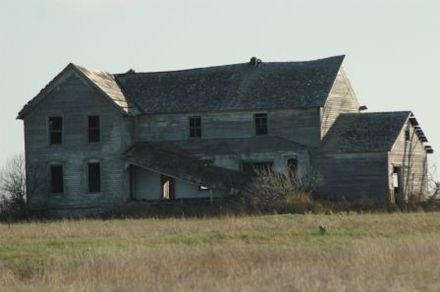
300, 125
74, 99
412, 158
352, 175
341, 99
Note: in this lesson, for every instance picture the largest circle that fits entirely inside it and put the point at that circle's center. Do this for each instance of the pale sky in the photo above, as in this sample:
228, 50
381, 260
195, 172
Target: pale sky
392, 46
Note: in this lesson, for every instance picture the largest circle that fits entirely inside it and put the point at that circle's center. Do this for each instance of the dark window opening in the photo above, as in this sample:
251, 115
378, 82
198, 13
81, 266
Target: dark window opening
56, 179
396, 179
407, 134
55, 130
94, 172
255, 168
292, 166
195, 126
260, 124
93, 129
168, 187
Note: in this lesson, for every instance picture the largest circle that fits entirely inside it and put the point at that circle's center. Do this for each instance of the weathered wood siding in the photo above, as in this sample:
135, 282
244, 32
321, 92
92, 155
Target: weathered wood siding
74, 100
352, 175
341, 99
412, 158
301, 125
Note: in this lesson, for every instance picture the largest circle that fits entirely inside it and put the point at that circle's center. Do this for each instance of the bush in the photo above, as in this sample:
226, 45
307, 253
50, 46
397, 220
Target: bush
284, 191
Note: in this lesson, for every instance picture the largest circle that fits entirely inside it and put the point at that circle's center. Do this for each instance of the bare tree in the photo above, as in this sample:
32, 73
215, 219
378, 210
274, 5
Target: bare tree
433, 183
13, 188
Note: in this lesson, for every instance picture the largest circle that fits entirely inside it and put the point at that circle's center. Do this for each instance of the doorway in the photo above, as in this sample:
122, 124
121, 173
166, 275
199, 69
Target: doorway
168, 187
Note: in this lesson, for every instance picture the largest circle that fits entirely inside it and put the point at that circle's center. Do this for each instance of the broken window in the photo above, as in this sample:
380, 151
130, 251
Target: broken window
55, 130
396, 179
407, 134
94, 175
195, 126
93, 129
254, 168
260, 124
56, 179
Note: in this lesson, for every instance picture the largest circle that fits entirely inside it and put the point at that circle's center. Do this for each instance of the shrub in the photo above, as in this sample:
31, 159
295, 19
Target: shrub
280, 191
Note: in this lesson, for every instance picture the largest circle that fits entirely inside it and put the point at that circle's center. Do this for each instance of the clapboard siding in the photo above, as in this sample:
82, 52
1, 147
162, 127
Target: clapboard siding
74, 100
300, 125
412, 157
352, 175
341, 99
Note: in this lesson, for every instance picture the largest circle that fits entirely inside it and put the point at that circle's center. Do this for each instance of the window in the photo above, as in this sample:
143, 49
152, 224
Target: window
93, 129
407, 134
292, 166
56, 179
253, 168
195, 126
260, 124
55, 130
94, 171
396, 179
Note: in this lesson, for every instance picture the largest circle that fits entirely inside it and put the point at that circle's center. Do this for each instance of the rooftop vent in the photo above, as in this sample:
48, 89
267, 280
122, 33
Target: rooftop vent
131, 71
255, 61
363, 108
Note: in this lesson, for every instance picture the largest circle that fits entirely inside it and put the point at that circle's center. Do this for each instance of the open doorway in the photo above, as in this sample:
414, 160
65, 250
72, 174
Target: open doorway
168, 187
397, 180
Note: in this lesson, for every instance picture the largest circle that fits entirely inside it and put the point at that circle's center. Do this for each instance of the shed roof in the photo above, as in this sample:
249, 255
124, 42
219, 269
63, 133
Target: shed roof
180, 164
256, 144
364, 132
272, 85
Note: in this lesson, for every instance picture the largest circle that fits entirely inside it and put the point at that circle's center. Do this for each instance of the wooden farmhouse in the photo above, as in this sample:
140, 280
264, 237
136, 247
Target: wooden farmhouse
96, 141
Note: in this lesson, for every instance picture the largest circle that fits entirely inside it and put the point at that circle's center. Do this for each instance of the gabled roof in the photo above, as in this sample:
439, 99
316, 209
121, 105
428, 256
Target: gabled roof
272, 85
180, 164
104, 82
365, 132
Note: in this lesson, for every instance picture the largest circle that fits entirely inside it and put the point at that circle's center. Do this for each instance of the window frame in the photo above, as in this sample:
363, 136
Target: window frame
51, 178
99, 177
89, 129
195, 131
57, 131
258, 129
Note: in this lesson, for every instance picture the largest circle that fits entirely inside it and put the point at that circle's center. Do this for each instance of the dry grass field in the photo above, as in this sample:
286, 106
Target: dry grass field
368, 252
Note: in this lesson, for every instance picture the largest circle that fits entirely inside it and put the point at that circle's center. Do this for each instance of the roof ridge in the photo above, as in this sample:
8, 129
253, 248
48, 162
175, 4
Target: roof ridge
230, 65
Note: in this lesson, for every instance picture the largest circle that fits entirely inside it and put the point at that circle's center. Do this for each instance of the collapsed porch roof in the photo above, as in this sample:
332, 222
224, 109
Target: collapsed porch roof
175, 162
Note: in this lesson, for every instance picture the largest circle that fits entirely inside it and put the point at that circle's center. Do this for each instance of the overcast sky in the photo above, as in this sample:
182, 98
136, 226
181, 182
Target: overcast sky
392, 46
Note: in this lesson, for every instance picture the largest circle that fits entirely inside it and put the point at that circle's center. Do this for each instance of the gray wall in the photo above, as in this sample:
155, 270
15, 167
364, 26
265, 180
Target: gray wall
341, 99
412, 157
302, 125
74, 100
352, 175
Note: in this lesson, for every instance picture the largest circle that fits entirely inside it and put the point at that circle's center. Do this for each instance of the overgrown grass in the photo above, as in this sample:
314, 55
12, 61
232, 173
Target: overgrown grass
375, 252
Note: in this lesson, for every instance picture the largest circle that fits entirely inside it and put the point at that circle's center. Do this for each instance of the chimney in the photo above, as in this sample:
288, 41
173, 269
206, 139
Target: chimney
255, 61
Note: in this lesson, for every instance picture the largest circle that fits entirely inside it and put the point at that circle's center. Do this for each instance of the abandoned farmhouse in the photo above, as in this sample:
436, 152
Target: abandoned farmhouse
95, 140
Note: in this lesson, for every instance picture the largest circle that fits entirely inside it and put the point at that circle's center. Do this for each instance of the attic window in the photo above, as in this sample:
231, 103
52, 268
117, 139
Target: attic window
55, 130
407, 134
195, 126
260, 124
